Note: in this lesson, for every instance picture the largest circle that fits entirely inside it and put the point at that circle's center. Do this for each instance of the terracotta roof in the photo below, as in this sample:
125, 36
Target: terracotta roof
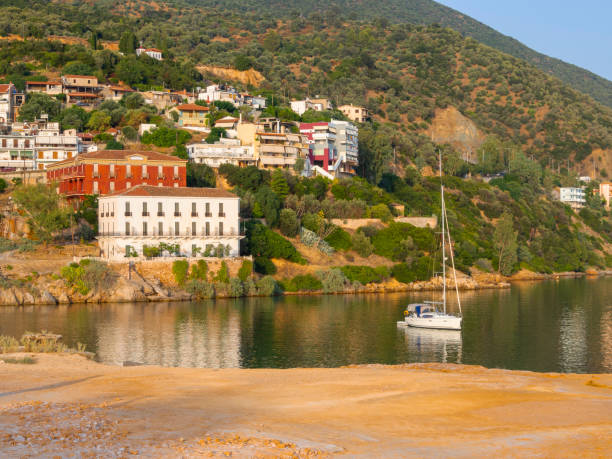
153, 49
121, 155
82, 94
120, 88
227, 119
91, 77
176, 192
4, 87
192, 107
42, 82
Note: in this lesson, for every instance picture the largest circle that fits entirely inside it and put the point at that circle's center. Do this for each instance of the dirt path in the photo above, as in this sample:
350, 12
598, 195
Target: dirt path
66, 405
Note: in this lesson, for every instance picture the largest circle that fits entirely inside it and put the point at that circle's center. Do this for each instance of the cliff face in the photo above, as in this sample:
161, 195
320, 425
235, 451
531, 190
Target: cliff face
452, 127
251, 76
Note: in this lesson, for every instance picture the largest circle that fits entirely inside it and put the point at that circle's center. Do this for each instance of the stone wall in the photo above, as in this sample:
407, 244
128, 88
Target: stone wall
354, 223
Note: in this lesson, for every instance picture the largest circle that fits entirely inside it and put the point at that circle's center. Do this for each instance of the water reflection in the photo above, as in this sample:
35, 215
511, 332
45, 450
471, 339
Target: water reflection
561, 325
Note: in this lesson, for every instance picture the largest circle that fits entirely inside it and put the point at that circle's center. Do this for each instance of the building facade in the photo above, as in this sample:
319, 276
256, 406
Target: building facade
192, 115
226, 151
347, 146
355, 113
81, 89
109, 171
53, 146
198, 221
48, 87
10, 102
573, 196
153, 53
322, 144
604, 191
17, 151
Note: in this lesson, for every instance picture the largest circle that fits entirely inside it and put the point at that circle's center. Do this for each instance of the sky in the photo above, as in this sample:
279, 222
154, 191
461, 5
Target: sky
578, 32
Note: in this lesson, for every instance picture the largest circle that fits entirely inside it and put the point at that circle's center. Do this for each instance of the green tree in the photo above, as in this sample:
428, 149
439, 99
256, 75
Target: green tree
215, 134
279, 184
99, 121
128, 43
272, 42
506, 243
41, 205
37, 104
77, 68
200, 175
246, 270
288, 223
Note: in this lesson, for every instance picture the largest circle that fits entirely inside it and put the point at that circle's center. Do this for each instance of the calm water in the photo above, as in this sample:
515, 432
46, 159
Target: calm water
561, 325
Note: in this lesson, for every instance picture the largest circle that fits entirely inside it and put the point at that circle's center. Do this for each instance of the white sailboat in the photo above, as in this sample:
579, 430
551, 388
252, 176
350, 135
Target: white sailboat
427, 314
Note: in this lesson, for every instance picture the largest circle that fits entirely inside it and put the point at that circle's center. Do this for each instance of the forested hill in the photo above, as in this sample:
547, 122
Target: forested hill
427, 12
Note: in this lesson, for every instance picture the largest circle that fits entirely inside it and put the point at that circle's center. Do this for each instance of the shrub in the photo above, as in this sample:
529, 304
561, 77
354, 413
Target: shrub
309, 238
382, 212
303, 283
223, 274
333, 280
245, 271
339, 239
199, 270
8, 344
200, 289
264, 266
180, 268
362, 244
288, 223
236, 289
387, 241
88, 275
369, 230
364, 274
484, 264
150, 251
420, 269
312, 222
267, 286
249, 287
263, 242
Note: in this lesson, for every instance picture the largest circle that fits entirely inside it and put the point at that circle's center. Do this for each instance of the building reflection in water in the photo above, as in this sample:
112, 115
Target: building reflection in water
162, 334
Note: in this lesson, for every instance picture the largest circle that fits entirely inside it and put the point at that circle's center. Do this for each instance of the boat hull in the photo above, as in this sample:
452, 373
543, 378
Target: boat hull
436, 322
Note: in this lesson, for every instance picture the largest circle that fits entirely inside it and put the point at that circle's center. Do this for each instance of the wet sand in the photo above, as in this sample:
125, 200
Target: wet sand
67, 406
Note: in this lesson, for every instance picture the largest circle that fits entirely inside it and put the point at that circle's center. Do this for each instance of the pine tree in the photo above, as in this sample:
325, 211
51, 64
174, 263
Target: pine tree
279, 184
505, 241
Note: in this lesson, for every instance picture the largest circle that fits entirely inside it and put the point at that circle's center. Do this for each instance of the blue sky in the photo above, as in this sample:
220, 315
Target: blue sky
578, 32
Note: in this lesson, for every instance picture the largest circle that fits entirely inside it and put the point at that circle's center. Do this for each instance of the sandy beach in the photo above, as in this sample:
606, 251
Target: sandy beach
67, 406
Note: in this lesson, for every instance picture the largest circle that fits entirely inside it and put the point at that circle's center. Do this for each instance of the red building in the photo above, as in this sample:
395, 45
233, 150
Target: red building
322, 143
104, 172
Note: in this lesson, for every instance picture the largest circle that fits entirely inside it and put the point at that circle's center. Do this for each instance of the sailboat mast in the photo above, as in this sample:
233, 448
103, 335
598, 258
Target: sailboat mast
442, 213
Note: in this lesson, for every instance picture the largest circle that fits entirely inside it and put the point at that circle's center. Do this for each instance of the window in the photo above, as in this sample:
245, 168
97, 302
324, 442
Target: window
128, 184
208, 214
96, 172
55, 155
144, 228
112, 170
128, 171
95, 187
27, 143
160, 172
160, 228
221, 213
207, 231
176, 229
127, 228
194, 210
194, 250
176, 174
193, 228
15, 143
127, 209
145, 213
176, 210
160, 209
4, 143
220, 228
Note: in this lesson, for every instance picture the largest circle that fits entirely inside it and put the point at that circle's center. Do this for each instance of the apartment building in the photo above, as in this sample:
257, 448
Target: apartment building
17, 151
573, 196
193, 219
347, 147
192, 115
110, 171
604, 191
355, 113
52, 145
322, 144
10, 102
225, 151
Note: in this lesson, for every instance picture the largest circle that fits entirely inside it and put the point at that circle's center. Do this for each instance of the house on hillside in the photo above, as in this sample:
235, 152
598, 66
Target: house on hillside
197, 221
153, 53
355, 113
51, 88
81, 89
192, 116
302, 106
573, 196
10, 102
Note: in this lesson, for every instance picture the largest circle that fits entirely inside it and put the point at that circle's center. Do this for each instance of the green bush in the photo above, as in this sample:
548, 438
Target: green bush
199, 270
180, 268
419, 270
362, 244
263, 242
264, 266
267, 286
223, 274
339, 239
365, 274
150, 251
288, 223
387, 241
88, 275
236, 289
333, 280
303, 283
382, 212
200, 289
245, 271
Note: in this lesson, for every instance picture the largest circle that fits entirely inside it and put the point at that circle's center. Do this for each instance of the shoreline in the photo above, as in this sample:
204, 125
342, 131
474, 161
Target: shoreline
131, 291
66, 404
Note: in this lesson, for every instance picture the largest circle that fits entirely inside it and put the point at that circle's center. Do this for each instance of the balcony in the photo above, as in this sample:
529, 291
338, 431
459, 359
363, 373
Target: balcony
96, 175
160, 214
176, 177
221, 214
128, 214
112, 175
177, 214
128, 175
194, 214
208, 214
145, 176
145, 214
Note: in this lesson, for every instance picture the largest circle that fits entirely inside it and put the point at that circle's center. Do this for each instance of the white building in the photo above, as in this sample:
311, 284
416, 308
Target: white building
575, 197
302, 106
604, 191
221, 93
225, 151
53, 146
197, 220
151, 52
17, 151
347, 146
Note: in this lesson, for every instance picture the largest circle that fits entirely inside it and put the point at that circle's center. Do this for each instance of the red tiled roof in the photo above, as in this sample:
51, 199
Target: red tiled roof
91, 77
4, 87
175, 192
192, 108
154, 50
82, 94
121, 155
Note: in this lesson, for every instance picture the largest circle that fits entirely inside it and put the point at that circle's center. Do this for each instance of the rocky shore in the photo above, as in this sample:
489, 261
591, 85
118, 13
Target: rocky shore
65, 405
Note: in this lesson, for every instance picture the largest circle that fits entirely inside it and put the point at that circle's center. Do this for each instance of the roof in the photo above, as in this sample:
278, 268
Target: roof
120, 155
120, 88
192, 107
176, 192
153, 49
271, 133
5, 87
227, 119
91, 77
82, 94
42, 82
